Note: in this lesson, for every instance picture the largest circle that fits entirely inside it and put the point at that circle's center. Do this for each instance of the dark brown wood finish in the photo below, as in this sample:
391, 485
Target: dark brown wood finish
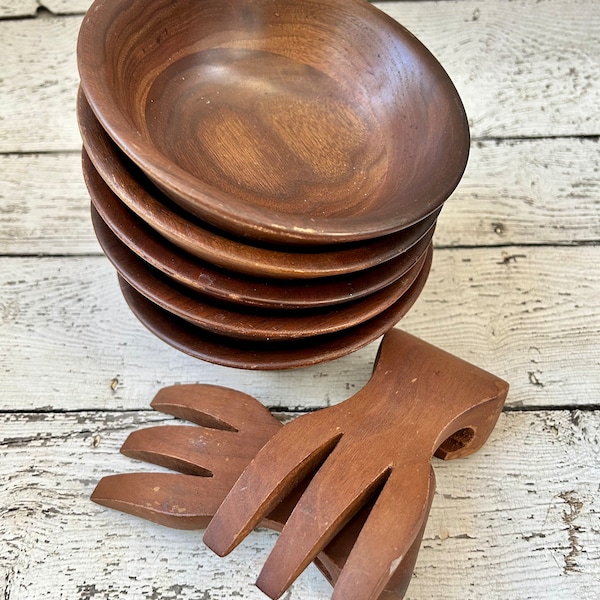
361, 516
241, 322
378, 444
224, 285
130, 185
246, 354
297, 121
209, 459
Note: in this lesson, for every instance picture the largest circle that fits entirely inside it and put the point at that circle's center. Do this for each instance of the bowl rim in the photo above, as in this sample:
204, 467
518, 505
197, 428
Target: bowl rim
243, 289
240, 256
246, 322
215, 205
252, 355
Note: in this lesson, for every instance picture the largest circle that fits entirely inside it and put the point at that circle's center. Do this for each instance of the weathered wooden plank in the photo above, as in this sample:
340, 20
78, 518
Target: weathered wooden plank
513, 192
38, 85
69, 342
517, 520
536, 77
29, 8
529, 314
525, 192
48, 522
44, 205
522, 68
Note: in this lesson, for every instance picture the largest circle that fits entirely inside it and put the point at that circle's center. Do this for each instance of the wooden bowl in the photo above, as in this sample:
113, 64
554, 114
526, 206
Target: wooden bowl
246, 354
243, 323
231, 287
123, 179
291, 121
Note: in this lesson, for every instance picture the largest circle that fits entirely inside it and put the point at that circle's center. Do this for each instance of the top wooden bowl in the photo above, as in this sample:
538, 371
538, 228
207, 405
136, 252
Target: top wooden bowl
291, 121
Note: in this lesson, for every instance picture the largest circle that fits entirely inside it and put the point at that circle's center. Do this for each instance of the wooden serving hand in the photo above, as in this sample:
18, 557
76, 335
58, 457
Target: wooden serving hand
375, 447
208, 460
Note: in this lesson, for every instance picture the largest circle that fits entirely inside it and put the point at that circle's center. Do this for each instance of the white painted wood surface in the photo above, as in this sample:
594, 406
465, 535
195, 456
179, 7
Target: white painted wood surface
30, 8
513, 193
506, 309
519, 75
515, 288
519, 520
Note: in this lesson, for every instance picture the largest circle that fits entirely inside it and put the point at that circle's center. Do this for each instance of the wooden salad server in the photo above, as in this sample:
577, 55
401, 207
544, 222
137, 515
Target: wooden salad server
208, 460
374, 447
416, 390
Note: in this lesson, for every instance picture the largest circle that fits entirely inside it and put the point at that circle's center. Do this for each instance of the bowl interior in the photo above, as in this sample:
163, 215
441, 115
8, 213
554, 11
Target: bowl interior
300, 121
113, 180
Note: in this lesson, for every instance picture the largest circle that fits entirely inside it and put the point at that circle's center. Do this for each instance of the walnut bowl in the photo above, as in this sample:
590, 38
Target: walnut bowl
286, 121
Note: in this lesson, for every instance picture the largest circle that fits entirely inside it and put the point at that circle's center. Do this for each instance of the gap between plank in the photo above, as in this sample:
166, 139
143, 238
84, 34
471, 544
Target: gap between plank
277, 410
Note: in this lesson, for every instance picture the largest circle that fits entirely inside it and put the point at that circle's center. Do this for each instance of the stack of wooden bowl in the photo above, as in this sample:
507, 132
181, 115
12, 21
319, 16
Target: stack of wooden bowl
265, 175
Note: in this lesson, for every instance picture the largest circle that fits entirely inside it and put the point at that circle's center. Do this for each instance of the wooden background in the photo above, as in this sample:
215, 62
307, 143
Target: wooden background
515, 288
